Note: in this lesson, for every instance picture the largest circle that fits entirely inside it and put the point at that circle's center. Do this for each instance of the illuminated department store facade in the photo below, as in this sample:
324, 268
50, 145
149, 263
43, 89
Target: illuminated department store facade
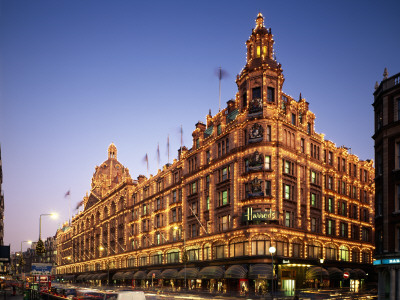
257, 175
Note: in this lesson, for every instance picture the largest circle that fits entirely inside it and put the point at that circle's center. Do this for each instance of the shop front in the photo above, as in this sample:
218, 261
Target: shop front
260, 278
213, 279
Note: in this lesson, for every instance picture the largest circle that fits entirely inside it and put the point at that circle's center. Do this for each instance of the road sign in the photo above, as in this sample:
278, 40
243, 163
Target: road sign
346, 275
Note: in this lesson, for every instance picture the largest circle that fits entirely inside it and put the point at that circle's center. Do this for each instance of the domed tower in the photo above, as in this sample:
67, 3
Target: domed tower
260, 82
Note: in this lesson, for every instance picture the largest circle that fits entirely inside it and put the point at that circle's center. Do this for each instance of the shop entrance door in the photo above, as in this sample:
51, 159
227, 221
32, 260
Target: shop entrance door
288, 286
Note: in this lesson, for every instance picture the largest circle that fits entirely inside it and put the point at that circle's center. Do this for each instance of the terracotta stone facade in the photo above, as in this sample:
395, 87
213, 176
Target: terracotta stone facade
257, 175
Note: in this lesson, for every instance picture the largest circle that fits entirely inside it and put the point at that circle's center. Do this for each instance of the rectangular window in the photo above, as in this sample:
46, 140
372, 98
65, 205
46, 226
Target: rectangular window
208, 182
224, 222
313, 200
313, 177
288, 222
330, 227
208, 157
270, 94
244, 97
302, 145
313, 224
223, 198
256, 93
208, 203
267, 162
330, 158
286, 189
330, 205
267, 188
224, 174
268, 133
293, 119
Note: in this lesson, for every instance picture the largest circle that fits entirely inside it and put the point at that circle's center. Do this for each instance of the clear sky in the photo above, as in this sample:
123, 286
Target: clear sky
77, 75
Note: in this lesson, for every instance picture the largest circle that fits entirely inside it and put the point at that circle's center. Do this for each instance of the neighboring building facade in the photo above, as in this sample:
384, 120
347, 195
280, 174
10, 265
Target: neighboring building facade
257, 175
1, 204
387, 182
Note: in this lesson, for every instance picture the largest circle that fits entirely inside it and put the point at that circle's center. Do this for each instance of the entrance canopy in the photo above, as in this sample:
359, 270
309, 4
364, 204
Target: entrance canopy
236, 271
317, 273
260, 271
212, 272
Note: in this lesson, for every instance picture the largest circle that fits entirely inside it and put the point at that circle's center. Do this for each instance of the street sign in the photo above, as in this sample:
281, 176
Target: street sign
346, 275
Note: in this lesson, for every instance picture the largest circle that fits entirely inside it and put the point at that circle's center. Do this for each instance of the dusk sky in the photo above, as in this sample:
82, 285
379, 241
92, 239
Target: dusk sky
77, 75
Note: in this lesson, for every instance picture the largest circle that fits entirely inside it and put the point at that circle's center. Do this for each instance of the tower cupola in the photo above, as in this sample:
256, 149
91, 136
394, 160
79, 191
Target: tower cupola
112, 151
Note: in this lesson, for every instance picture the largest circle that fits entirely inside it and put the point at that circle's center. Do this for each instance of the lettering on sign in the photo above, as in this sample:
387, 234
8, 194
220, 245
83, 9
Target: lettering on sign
268, 215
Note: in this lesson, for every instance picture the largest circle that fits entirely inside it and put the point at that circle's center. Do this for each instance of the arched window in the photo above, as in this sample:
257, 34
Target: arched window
260, 245
105, 214
143, 260
366, 256
297, 248
314, 250
331, 252
156, 258
207, 252
282, 247
219, 250
238, 247
344, 253
113, 208
173, 256
193, 254
131, 262
355, 255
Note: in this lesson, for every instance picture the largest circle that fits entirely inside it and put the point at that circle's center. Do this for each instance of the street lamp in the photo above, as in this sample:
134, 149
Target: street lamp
272, 250
101, 248
184, 254
321, 260
53, 215
22, 257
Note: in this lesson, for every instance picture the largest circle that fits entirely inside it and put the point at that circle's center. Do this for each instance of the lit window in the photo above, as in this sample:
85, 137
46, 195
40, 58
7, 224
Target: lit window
267, 162
258, 51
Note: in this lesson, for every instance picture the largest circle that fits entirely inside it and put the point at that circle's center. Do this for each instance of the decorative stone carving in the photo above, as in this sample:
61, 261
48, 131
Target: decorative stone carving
255, 107
256, 133
256, 162
256, 188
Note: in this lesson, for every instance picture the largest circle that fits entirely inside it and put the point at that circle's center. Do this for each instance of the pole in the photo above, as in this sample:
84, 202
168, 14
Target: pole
40, 227
272, 288
219, 76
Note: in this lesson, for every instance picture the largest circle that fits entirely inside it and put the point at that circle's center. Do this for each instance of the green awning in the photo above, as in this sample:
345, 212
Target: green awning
140, 275
169, 274
361, 274
118, 276
101, 276
236, 271
156, 273
191, 273
260, 271
128, 275
335, 273
212, 272
317, 273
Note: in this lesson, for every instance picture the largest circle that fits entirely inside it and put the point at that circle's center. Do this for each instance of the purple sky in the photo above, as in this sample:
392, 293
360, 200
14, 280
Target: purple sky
77, 75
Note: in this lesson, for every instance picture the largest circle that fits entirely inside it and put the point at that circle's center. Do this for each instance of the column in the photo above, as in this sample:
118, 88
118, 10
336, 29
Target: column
392, 284
398, 282
381, 286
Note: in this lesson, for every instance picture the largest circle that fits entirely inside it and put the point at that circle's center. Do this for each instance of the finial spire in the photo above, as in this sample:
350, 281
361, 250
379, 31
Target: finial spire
385, 74
300, 97
376, 85
260, 20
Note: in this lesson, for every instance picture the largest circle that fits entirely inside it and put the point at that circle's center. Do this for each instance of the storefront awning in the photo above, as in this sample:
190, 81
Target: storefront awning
191, 273
80, 277
156, 275
335, 273
169, 274
317, 273
353, 274
361, 274
140, 275
118, 276
212, 272
260, 271
91, 277
101, 276
68, 277
128, 275
236, 271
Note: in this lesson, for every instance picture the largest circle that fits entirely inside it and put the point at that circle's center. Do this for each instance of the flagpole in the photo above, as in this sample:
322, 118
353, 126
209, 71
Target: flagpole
158, 156
168, 147
219, 76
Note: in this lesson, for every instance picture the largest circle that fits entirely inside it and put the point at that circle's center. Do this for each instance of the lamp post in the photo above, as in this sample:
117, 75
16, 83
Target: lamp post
22, 257
184, 254
321, 260
53, 215
272, 250
101, 248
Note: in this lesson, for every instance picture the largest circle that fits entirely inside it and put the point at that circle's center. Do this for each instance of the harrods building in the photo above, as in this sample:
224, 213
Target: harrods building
257, 175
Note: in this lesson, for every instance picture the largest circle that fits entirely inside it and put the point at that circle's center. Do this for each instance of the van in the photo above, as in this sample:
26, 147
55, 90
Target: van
126, 295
